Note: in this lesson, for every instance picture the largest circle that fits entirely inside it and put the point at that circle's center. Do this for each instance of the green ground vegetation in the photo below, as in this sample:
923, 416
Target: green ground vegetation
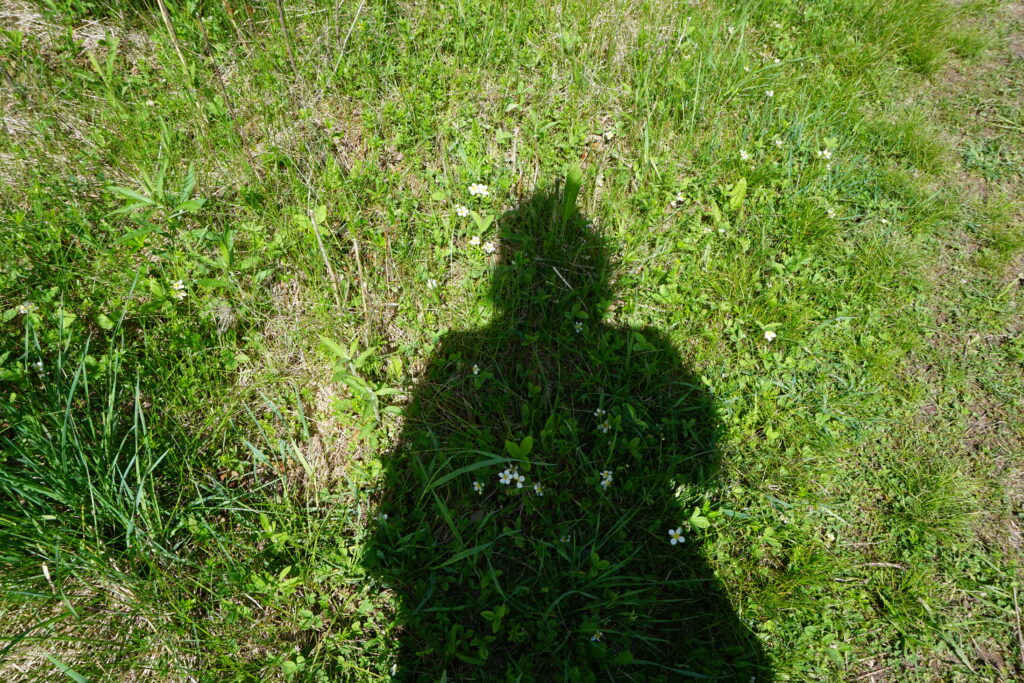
269, 353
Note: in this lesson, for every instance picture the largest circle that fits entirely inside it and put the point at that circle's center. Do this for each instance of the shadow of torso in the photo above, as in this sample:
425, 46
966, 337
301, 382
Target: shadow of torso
577, 580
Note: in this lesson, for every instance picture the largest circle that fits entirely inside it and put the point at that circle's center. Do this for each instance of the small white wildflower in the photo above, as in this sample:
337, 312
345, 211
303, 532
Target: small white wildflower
538, 489
479, 190
431, 284
476, 369
778, 61
831, 213
564, 538
490, 248
825, 153
478, 486
604, 427
23, 309
505, 477
769, 335
769, 93
38, 365
600, 412
885, 221
519, 479
730, 29
744, 155
461, 211
474, 241
676, 535
384, 516
746, 69
178, 290
597, 637
578, 326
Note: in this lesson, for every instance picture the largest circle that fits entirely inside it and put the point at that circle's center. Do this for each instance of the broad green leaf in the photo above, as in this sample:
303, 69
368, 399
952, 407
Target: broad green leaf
737, 194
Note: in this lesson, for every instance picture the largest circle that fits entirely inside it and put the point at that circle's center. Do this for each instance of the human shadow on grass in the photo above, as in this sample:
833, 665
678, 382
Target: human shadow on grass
526, 509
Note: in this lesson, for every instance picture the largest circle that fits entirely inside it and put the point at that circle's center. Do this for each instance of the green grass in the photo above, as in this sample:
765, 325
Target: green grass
240, 311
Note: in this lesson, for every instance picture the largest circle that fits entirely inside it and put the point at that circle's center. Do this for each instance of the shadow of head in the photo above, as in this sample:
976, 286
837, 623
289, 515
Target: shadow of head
552, 262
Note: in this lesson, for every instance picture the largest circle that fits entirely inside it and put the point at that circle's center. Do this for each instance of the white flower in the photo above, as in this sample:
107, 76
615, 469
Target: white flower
778, 61
505, 477
680, 198
769, 335
606, 474
778, 143
538, 489
769, 93
824, 153
730, 29
476, 369
831, 213
885, 222
474, 241
490, 248
564, 538
384, 516
178, 290
676, 535
604, 427
519, 479
479, 190
38, 365
431, 284
23, 309
600, 412
478, 486
578, 326
746, 69
597, 637
461, 211
744, 155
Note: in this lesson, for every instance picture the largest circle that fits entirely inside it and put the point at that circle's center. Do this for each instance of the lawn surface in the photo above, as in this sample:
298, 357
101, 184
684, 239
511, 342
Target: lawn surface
527, 341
